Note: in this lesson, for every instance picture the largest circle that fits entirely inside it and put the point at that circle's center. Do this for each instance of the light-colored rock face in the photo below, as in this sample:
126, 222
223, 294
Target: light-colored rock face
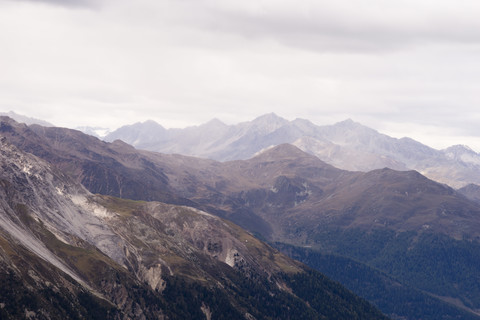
52, 200
153, 276
61, 205
197, 233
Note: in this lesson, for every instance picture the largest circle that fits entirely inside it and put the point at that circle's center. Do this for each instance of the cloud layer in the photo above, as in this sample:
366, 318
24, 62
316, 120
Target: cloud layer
392, 65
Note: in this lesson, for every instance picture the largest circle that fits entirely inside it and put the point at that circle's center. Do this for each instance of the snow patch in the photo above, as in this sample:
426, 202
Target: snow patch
469, 158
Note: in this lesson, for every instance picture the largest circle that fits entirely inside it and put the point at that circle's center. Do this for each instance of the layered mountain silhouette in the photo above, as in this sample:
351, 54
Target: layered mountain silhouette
24, 119
347, 145
67, 253
471, 191
421, 234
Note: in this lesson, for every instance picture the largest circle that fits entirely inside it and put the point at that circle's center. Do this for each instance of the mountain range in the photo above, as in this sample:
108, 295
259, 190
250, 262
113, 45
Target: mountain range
347, 145
67, 253
406, 243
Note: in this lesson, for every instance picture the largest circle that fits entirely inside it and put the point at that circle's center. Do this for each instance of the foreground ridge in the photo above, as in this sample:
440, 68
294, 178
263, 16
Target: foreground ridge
66, 253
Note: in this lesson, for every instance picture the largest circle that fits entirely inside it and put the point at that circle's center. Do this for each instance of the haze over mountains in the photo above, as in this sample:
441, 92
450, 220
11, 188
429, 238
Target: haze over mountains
25, 119
347, 145
407, 243
404, 242
66, 253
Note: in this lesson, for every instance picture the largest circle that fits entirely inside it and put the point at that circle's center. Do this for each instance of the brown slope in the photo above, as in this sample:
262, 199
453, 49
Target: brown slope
120, 170
298, 194
400, 201
109, 168
33, 288
283, 160
146, 260
471, 191
281, 192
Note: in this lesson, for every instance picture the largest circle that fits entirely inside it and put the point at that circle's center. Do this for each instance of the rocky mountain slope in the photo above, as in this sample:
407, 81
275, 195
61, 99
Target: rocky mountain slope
281, 177
336, 144
66, 253
421, 233
116, 169
471, 191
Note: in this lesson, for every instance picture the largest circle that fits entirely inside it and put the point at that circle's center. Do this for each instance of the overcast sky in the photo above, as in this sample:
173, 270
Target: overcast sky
405, 68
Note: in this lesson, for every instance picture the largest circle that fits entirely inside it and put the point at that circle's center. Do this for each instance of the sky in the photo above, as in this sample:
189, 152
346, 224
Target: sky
405, 68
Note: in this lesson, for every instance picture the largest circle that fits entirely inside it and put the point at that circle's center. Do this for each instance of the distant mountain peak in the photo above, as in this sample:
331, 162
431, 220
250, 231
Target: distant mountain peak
347, 145
267, 123
281, 151
149, 123
463, 154
215, 122
272, 115
24, 119
348, 123
269, 118
459, 148
304, 121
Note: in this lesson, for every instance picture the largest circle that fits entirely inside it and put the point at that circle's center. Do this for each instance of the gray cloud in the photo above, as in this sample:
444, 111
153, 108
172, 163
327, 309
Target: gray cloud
339, 25
405, 64
67, 3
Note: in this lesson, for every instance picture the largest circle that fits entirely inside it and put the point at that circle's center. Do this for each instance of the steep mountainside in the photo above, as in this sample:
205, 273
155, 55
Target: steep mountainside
120, 170
65, 253
108, 168
290, 185
279, 184
347, 145
421, 233
471, 191
398, 300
